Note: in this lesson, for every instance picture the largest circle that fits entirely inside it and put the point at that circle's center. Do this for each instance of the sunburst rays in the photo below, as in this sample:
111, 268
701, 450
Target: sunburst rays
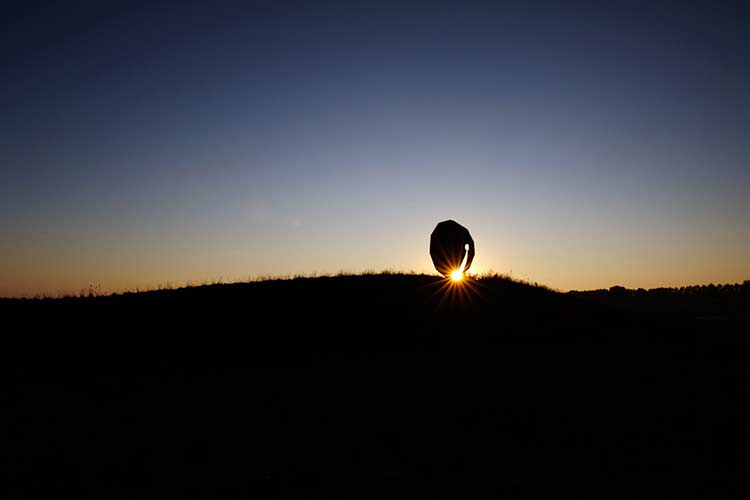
451, 292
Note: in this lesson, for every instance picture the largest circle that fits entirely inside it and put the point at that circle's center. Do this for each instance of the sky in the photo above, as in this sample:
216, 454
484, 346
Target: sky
584, 145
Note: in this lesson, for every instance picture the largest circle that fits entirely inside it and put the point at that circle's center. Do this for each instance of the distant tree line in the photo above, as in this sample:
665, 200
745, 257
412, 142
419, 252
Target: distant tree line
704, 299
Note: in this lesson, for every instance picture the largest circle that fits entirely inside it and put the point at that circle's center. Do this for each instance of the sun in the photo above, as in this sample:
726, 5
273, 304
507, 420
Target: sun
457, 276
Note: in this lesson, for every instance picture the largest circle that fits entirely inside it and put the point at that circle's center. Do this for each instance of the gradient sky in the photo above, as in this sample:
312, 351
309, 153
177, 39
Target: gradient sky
583, 145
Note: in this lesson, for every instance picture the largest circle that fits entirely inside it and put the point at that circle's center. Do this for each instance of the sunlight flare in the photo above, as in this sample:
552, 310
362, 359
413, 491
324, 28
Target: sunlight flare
457, 275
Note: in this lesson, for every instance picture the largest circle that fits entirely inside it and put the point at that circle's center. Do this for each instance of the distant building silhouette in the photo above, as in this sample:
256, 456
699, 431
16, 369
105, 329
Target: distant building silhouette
448, 246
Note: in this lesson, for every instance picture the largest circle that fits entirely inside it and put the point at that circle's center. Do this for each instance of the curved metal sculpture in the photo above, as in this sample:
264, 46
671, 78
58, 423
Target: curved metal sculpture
448, 246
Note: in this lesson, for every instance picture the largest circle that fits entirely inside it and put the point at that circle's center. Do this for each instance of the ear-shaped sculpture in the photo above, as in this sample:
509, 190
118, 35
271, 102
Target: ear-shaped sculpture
448, 243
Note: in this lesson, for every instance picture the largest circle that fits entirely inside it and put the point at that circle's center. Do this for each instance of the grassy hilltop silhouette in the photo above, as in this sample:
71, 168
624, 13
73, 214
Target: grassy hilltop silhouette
363, 385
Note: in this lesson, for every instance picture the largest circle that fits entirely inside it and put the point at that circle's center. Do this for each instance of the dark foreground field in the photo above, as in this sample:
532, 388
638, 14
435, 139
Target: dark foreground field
371, 386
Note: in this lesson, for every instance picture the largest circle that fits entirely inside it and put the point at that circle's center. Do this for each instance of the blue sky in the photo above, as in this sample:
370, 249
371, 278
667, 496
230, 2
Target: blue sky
583, 146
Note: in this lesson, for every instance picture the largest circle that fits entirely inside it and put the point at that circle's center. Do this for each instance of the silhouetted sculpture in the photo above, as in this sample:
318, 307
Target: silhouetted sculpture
448, 243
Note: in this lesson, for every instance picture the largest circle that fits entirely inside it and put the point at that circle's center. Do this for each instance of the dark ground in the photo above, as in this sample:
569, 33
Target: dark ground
367, 386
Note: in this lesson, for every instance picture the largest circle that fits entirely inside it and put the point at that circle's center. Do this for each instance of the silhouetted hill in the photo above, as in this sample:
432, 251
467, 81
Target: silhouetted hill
371, 385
